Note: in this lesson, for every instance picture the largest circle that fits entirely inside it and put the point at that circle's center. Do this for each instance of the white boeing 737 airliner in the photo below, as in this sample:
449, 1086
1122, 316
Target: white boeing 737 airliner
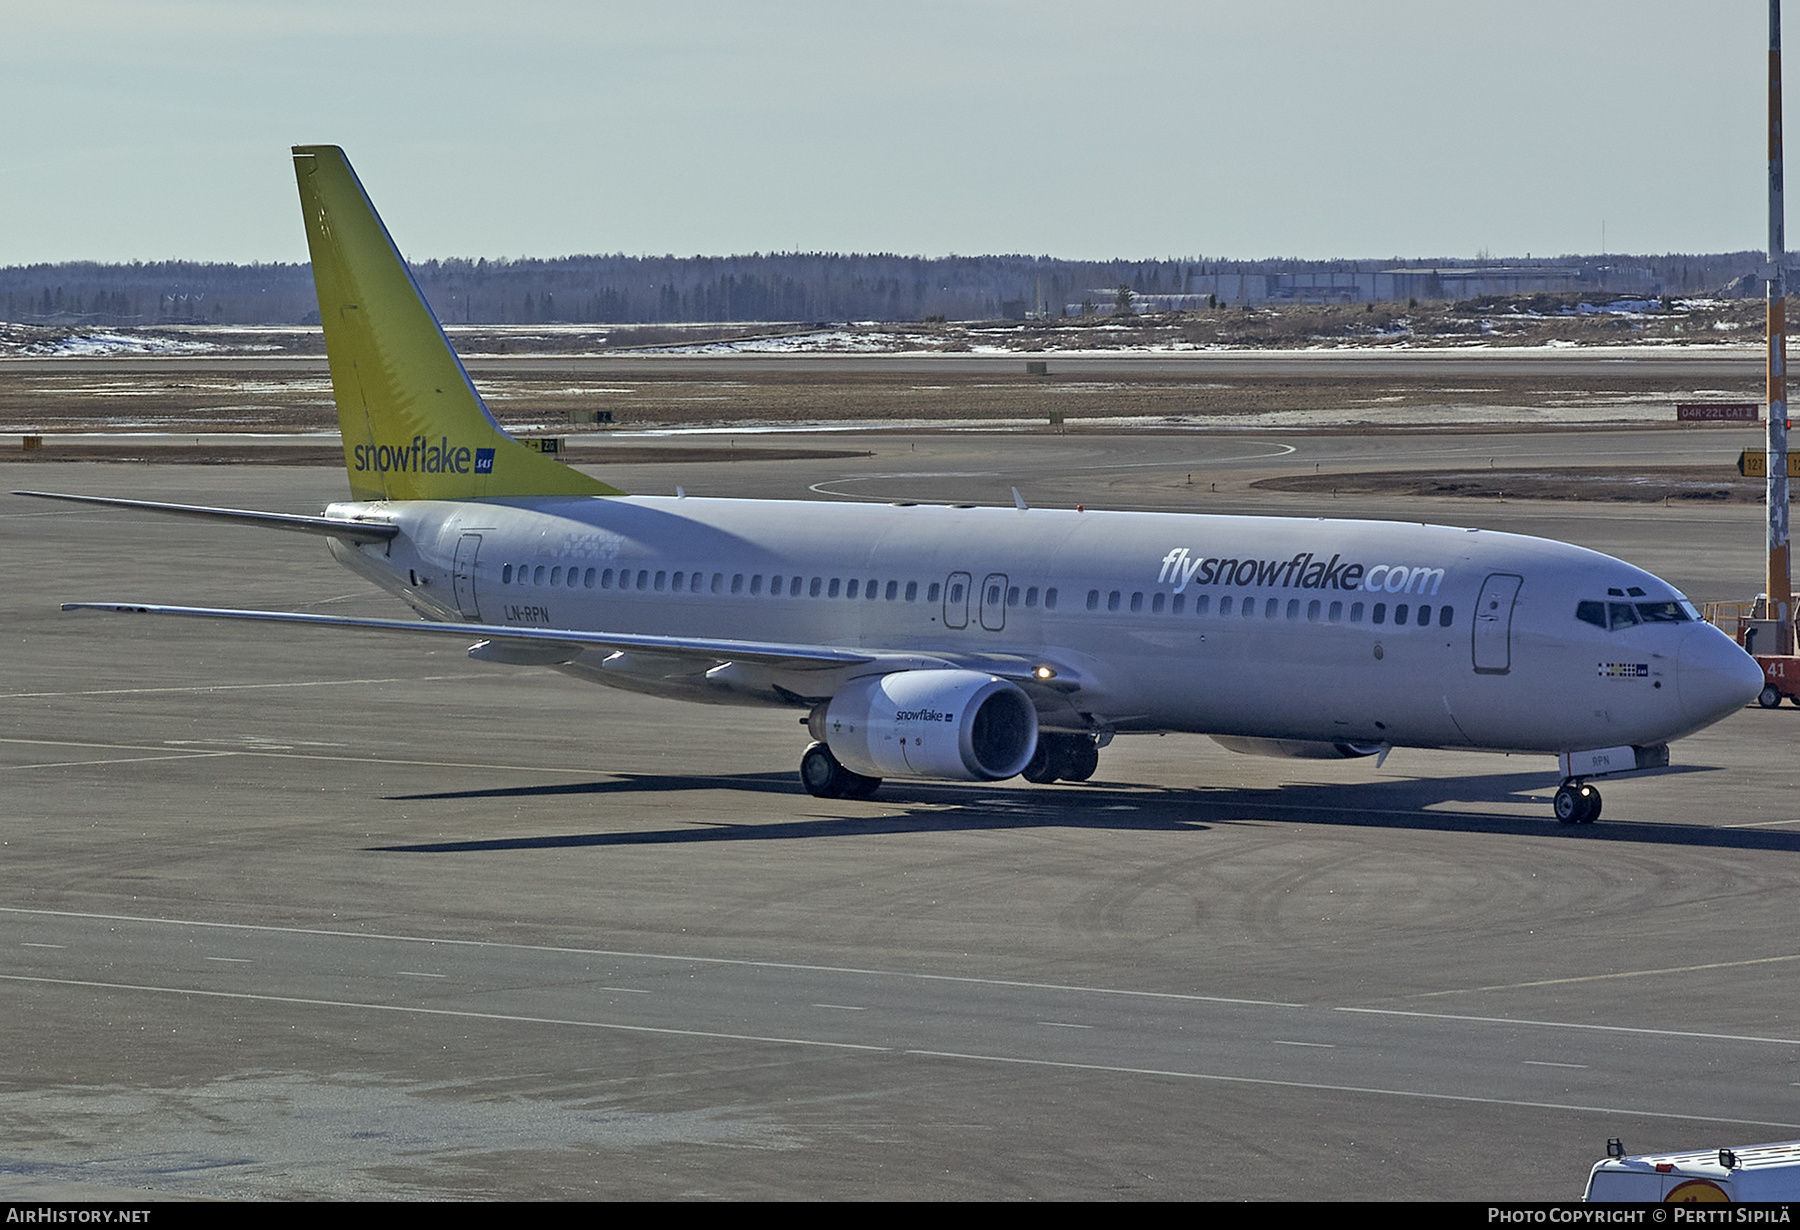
969, 644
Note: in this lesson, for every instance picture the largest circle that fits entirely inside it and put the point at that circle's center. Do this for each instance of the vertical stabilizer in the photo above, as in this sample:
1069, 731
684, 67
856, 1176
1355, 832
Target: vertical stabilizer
414, 426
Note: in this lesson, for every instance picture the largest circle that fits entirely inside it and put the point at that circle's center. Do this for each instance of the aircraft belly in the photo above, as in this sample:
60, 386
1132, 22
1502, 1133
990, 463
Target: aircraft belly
1320, 684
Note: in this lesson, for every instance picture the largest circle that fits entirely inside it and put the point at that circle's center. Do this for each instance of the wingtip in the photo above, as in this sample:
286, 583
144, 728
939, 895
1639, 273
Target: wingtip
118, 608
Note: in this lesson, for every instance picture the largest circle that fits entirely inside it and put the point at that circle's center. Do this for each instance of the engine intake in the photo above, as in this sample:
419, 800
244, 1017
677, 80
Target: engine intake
959, 725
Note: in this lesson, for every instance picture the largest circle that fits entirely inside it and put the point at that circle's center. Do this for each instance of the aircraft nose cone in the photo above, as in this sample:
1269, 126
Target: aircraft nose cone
1714, 675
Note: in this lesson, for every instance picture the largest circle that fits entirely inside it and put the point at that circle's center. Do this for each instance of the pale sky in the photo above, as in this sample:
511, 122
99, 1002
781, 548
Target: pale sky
144, 129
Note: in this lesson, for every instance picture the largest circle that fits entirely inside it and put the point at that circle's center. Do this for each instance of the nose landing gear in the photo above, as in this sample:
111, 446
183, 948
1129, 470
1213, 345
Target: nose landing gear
1577, 803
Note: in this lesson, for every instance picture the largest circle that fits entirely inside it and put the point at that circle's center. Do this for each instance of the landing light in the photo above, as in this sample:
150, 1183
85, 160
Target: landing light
1043, 672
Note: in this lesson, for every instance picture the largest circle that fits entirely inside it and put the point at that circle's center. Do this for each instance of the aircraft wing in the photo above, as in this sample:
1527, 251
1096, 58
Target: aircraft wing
544, 646
761, 653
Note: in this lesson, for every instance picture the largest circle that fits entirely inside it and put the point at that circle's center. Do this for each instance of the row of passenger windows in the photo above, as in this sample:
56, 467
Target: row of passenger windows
1246, 607
664, 581
660, 581
556, 576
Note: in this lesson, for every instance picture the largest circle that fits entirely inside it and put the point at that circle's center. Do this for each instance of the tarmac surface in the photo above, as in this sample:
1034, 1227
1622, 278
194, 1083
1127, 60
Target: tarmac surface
301, 913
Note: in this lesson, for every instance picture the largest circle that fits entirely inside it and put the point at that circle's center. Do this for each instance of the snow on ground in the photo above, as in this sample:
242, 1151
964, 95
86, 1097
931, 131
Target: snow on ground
89, 344
827, 341
977, 339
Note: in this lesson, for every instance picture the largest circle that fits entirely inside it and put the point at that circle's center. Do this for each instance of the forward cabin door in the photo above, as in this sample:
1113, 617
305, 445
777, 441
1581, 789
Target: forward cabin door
1493, 623
467, 548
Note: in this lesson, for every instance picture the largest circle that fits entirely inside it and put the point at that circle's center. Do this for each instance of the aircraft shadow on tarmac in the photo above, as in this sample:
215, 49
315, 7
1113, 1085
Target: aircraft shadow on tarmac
1455, 805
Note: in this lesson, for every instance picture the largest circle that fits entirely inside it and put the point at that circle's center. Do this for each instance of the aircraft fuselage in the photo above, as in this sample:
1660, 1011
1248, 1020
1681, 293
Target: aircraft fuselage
1335, 632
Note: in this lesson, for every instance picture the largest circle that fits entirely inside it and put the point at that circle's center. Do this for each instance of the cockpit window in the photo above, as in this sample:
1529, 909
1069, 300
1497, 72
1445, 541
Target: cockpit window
1618, 615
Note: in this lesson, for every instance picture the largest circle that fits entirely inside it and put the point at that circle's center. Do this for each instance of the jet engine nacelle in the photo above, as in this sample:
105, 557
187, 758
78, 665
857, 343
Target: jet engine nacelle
1296, 749
961, 725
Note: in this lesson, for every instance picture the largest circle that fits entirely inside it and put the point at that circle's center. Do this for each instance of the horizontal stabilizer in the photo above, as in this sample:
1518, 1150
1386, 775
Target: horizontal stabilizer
329, 527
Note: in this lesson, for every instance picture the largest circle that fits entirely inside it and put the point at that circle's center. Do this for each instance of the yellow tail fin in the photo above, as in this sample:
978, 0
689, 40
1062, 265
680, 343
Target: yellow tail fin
414, 426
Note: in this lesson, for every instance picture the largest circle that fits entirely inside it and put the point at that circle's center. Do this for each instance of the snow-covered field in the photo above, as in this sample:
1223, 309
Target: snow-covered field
1627, 324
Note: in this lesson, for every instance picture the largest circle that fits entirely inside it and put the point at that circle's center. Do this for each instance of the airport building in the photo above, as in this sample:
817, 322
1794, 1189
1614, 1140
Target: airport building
1384, 285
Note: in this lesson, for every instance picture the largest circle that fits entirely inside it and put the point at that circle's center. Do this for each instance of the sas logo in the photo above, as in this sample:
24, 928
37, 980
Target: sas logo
484, 461
1624, 670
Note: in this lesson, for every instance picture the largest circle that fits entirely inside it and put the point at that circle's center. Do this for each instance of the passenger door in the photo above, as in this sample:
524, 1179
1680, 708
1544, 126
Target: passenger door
1493, 623
467, 548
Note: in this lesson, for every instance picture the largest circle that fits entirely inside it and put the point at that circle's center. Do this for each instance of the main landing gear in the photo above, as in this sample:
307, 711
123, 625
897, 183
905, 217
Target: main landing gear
1059, 757
1070, 758
825, 778
1577, 803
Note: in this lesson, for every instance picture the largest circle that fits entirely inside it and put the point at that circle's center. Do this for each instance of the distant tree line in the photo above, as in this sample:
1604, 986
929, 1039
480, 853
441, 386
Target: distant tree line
791, 286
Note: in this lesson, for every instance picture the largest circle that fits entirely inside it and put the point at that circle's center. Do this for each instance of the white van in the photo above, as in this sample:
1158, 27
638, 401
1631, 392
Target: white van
1703, 1176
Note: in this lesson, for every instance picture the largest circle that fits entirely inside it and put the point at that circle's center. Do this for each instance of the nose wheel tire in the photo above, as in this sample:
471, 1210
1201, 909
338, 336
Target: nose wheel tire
1577, 803
825, 778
